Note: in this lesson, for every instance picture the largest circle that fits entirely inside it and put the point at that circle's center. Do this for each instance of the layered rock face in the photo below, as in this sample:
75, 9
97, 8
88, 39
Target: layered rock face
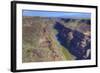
52, 39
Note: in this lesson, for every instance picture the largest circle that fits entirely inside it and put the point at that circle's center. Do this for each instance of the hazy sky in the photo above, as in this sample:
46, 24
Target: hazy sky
56, 14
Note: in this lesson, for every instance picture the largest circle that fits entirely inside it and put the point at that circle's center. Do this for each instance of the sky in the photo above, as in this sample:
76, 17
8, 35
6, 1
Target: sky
56, 14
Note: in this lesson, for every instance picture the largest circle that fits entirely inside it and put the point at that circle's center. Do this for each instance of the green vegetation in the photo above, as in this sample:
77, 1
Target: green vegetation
67, 55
